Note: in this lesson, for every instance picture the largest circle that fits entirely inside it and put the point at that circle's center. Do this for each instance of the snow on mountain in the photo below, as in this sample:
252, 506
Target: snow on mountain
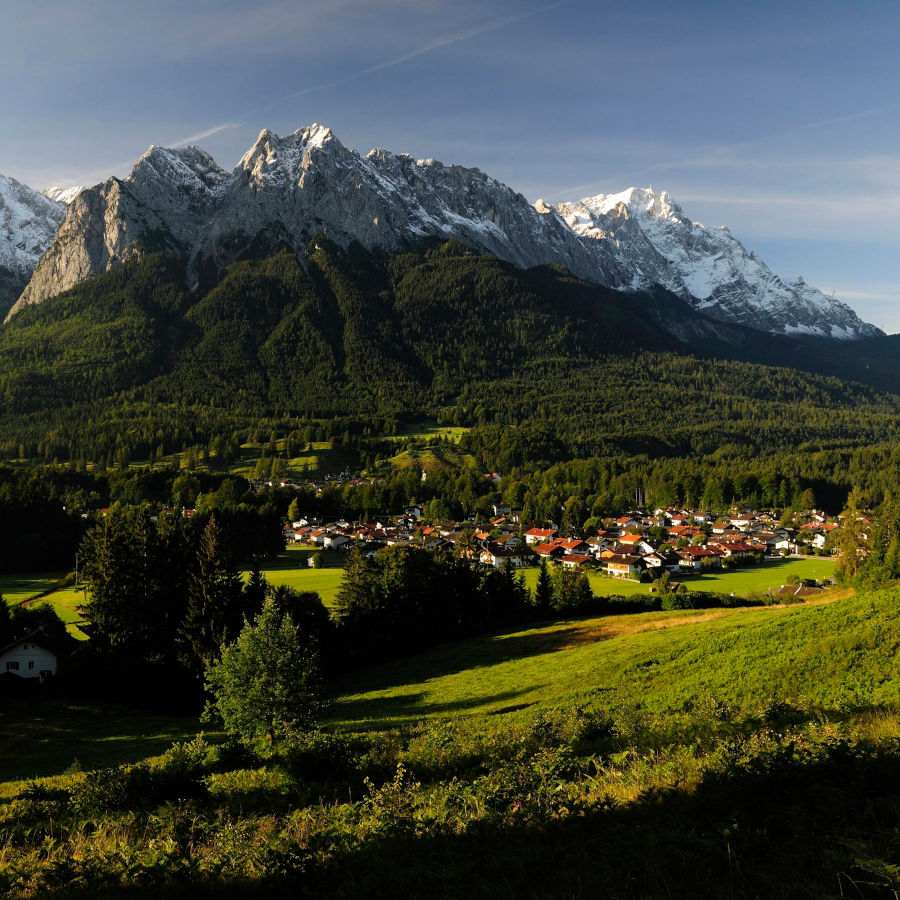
62, 195
286, 189
28, 222
708, 267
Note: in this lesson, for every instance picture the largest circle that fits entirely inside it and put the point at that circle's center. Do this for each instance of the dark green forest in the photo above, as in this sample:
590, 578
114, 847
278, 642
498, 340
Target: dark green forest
134, 362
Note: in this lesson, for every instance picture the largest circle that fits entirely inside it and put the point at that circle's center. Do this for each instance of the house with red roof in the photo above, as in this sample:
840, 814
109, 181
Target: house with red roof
540, 535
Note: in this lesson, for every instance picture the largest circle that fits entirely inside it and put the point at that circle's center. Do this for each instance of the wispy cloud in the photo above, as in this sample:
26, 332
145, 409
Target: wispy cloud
205, 134
446, 41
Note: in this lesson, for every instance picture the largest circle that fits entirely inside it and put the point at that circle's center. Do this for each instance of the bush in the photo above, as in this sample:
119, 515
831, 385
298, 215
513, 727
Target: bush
318, 756
111, 790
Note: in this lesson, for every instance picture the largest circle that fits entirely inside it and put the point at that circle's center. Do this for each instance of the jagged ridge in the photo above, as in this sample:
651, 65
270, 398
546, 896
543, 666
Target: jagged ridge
283, 191
708, 267
286, 189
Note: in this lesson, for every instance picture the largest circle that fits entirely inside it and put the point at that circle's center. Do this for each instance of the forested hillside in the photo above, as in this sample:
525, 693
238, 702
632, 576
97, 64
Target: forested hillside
135, 359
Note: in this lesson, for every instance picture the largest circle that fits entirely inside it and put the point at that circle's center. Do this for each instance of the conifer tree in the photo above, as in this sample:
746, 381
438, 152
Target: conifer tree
543, 590
254, 592
356, 591
214, 598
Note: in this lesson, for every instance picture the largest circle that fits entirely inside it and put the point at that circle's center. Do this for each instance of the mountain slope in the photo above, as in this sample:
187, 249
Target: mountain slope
133, 358
28, 222
707, 267
285, 190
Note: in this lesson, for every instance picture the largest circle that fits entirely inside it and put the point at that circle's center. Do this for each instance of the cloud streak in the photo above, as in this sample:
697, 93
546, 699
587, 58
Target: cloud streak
205, 134
446, 41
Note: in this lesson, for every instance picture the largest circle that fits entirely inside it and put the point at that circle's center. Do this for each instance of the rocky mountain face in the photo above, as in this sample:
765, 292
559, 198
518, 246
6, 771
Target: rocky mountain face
28, 222
649, 234
286, 189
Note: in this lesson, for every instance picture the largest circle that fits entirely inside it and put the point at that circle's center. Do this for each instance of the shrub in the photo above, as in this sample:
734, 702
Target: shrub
318, 756
111, 790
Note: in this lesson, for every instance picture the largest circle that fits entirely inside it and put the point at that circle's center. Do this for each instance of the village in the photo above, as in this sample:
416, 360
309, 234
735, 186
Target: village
637, 546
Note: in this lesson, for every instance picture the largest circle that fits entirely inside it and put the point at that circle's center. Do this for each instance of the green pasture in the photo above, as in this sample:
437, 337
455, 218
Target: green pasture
433, 458
771, 574
292, 569
429, 429
830, 656
16, 588
66, 603
767, 576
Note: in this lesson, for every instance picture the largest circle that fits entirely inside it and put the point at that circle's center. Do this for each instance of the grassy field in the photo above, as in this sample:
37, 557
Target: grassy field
751, 752
431, 458
507, 673
429, 429
16, 588
292, 569
741, 582
48, 737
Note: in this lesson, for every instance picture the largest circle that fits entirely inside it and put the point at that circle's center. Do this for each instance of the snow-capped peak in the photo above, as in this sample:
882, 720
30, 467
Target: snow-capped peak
637, 201
279, 159
28, 222
62, 194
708, 267
286, 189
189, 167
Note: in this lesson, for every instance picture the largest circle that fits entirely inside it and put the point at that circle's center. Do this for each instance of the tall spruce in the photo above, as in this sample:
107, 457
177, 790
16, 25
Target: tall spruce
214, 599
120, 560
543, 589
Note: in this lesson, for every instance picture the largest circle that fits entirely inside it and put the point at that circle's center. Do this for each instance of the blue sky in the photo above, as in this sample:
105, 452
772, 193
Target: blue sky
779, 119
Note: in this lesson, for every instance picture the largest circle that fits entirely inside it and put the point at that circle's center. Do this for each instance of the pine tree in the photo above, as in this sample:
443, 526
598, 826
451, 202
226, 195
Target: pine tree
357, 586
543, 590
214, 599
254, 592
118, 560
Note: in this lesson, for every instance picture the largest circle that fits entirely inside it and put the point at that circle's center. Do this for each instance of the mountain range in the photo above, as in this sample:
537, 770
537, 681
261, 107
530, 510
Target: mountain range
285, 190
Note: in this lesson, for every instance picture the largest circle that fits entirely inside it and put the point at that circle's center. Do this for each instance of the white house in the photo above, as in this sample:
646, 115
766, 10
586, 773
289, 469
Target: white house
494, 555
28, 657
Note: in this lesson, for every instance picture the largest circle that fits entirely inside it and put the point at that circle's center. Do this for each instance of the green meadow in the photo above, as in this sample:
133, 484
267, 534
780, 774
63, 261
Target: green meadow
16, 588
769, 575
293, 570
51, 737
750, 752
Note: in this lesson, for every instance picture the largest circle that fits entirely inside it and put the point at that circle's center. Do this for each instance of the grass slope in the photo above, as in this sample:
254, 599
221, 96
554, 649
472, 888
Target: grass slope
718, 753
47, 738
831, 656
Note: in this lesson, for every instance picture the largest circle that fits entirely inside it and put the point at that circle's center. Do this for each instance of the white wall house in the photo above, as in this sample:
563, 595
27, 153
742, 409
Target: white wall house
27, 659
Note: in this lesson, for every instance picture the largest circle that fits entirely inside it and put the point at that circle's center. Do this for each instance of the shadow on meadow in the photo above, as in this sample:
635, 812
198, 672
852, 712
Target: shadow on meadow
776, 825
399, 709
504, 646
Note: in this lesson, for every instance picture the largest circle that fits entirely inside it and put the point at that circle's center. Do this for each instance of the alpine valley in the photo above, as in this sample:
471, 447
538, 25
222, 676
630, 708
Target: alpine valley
313, 281
511, 549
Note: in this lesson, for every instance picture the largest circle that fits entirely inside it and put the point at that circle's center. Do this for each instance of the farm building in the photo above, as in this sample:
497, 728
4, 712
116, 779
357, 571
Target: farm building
30, 656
